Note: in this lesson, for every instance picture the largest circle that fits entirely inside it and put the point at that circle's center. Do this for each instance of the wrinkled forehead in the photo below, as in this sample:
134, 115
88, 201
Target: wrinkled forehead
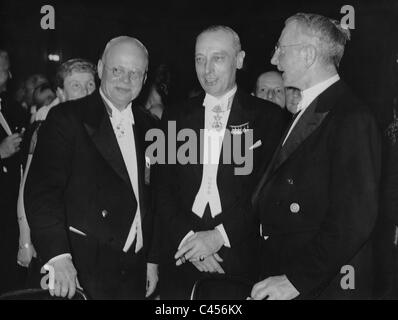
215, 41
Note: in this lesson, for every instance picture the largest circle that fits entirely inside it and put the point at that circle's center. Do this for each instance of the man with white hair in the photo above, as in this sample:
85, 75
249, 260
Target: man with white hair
317, 201
87, 198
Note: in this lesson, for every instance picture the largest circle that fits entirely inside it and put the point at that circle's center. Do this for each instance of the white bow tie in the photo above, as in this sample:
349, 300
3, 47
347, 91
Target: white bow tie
124, 117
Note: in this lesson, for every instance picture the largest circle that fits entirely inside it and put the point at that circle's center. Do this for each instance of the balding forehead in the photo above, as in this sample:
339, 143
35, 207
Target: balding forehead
124, 41
272, 76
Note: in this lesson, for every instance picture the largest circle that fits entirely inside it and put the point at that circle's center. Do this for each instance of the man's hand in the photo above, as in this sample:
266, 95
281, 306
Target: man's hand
10, 145
274, 288
65, 278
152, 278
25, 255
201, 245
210, 264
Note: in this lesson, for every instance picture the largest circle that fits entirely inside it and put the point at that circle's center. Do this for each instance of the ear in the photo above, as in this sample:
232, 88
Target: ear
60, 94
239, 59
310, 55
100, 68
145, 77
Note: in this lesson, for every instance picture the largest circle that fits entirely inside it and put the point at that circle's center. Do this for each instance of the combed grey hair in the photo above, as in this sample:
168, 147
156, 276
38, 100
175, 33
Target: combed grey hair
330, 36
235, 37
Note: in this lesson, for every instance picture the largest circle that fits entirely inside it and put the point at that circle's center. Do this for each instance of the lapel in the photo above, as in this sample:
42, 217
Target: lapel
308, 123
139, 138
312, 118
99, 128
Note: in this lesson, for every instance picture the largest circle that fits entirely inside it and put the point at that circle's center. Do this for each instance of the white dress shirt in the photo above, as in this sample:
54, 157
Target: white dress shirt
309, 95
217, 111
122, 123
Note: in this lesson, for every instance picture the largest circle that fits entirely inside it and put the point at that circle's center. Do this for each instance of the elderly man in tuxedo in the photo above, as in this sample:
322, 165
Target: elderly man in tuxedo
317, 200
203, 205
86, 197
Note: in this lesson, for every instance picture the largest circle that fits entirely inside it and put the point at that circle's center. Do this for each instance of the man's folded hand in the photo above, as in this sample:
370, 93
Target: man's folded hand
65, 278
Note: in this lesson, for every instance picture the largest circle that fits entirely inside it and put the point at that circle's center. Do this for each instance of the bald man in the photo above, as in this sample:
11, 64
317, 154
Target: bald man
87, 197
270, 87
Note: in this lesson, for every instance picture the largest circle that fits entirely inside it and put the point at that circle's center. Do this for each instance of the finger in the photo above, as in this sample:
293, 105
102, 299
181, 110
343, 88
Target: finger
218, 258
57, 288
263, 294
203, 266
184, 249
13, 136
194, 253
64, 288
216, 266
78, 284
209, 266
16, 141
258, 286
72, 288
198, 266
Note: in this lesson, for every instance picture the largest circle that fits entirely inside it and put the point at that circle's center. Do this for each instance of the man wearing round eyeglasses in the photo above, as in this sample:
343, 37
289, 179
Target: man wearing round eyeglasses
317, 201
87, 194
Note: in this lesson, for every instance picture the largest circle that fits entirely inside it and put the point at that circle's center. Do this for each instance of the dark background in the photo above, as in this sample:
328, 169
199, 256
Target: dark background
168, 29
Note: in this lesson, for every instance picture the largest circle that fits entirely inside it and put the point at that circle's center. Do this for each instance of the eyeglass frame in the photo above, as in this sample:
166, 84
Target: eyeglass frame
140, 75
278, 47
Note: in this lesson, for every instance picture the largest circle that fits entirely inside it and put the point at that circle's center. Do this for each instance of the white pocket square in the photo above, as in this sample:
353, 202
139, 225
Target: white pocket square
256, 145
77, 231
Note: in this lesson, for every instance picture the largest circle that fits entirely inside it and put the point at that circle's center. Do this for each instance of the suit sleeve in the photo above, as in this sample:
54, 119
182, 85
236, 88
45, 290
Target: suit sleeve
355, 151
45, 186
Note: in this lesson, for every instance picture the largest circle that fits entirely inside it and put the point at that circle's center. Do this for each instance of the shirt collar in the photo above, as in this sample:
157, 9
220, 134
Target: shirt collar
309, 95
116, 114
211, 101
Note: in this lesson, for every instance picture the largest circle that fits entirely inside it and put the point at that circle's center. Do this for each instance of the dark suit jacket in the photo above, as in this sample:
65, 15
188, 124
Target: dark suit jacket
180, 183
78, 178
318, 200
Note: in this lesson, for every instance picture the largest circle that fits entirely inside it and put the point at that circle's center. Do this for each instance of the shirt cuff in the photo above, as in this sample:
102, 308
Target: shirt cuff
190, 233
64, 255
220, 228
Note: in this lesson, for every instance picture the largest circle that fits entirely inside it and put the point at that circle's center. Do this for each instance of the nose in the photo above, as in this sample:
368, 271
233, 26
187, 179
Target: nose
125, 78
274, 59
270, 95
208, 66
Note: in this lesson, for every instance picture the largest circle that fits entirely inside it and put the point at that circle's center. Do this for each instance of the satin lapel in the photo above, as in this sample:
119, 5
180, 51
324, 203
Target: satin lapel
99, 128
306, 125
139, 136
